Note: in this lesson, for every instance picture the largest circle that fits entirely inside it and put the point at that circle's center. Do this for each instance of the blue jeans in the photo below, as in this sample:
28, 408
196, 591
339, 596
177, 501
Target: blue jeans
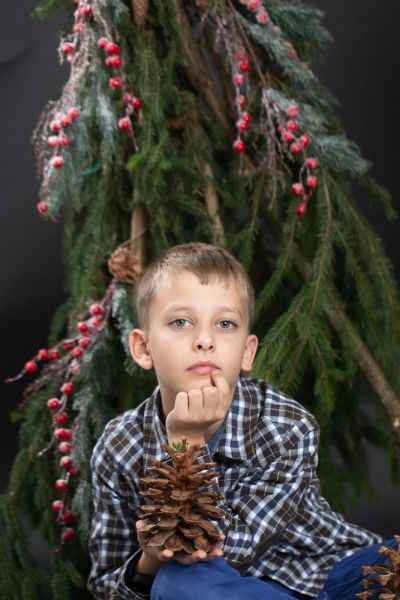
216, 580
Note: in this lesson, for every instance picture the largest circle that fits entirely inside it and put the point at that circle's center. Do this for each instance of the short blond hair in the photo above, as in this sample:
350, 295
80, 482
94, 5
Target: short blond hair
203, 260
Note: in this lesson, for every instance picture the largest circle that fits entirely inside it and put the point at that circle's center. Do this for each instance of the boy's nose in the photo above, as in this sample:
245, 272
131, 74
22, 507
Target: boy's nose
204, 341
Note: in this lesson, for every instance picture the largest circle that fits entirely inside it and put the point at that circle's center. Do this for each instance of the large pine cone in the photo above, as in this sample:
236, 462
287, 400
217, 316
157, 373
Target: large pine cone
140, 8
179, 517
387, 576
124, 265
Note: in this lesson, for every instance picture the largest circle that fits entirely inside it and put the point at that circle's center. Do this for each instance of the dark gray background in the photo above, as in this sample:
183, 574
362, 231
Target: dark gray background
361, 70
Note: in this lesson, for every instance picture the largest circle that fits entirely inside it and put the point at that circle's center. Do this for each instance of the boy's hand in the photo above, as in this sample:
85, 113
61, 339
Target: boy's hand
197, 410
153, 558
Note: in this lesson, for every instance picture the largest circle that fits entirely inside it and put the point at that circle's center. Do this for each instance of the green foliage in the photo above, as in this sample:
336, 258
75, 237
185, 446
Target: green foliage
318, 282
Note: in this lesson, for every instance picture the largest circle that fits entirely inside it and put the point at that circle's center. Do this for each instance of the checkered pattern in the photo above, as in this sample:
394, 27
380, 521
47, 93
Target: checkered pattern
277, 524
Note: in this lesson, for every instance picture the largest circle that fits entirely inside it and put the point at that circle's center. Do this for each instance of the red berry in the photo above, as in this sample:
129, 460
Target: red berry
82, 327
240, 55
242, 125
54, 403
63, 435
87, 11
65, 140
124, 123
57, 505
75, 369
64, 448
57, 162
74, 471
30, 366
293, 111
74, 112
61, 418
55, 125
42, 207
102, 43
262, 17
244, 66
115, 83
312, 163
304, 140
238, 79
287, 137
292, 125
312, 182
67, 516
295, 148
53, 141
84, 342
253, 5
77, 352
298, 189
301, 209
247, 117
127, 98
43, 354
66, 462
68, 345
54, 354
239, 146
242, 101
112, 48
96, 322
61, 485
68, 534
137, 102
68, 48
67, 388
96, 310
113, 61
78, 27
66, 120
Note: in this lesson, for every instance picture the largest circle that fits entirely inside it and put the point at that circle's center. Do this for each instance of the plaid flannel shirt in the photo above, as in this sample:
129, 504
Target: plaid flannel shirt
277, 524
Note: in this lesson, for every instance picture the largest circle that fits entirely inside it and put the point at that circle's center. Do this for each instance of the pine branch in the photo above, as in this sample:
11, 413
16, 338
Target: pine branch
339, 321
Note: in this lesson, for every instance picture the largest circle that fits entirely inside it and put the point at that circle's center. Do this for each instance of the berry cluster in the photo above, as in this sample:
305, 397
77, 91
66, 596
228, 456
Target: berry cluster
297, 141
244, 117
68, 354
113, 60
257, 7
57, 143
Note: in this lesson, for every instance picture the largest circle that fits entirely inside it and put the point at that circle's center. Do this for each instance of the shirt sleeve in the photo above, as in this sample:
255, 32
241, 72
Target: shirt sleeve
263, 499
113, 541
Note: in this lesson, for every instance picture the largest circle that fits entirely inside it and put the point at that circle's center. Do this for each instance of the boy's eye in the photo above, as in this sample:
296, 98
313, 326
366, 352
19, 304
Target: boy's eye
226, 324
180, 323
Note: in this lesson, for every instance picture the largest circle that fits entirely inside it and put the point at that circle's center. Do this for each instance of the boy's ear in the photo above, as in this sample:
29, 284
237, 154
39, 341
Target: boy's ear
140, 349
249, 352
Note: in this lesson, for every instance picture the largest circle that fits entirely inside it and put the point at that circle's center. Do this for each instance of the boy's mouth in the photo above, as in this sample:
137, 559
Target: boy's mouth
203, 368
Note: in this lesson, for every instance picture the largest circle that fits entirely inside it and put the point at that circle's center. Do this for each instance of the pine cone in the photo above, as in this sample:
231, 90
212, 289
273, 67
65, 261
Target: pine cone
140, 8
387, 576
179, 517
124, 265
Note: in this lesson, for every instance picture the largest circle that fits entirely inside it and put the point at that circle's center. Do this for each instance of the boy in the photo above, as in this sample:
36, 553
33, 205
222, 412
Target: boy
280, 539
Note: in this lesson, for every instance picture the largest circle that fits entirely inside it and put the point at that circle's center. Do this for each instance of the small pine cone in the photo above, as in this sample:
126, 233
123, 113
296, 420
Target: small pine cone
178, 517
383, 580
124, 265
140, 8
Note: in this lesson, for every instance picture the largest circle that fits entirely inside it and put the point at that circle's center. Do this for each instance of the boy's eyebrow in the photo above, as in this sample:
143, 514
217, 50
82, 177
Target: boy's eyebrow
232, 309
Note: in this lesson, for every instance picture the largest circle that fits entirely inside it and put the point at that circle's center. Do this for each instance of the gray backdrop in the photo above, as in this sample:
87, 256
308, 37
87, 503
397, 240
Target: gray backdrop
361, 70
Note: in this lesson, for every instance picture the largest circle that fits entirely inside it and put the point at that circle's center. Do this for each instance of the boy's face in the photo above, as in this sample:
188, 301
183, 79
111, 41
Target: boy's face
194, 329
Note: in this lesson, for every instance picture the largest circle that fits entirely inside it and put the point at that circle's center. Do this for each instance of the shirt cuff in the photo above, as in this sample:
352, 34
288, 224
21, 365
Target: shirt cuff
125, 586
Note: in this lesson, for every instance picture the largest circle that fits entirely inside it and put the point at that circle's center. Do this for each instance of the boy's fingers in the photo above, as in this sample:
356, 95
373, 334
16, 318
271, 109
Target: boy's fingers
220, 382
181, 402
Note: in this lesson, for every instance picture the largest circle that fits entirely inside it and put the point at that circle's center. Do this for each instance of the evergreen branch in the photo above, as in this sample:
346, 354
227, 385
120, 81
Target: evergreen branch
197, 70
339, 320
